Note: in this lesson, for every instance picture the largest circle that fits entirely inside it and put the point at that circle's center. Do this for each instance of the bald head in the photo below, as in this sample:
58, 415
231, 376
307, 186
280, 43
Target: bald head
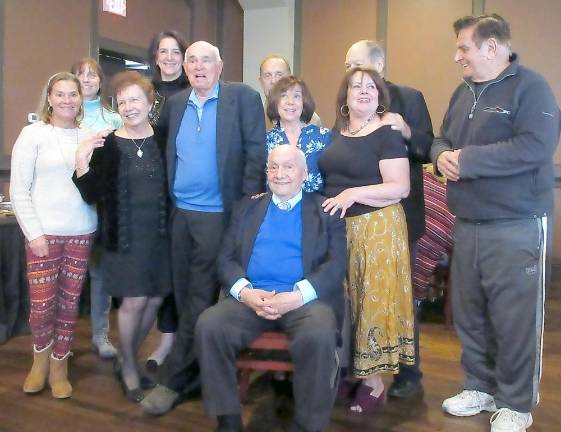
366, 53
286, 171
203, 67
272, 69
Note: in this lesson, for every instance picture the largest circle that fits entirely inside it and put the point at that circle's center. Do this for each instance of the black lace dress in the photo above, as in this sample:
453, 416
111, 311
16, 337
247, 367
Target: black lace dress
144, 268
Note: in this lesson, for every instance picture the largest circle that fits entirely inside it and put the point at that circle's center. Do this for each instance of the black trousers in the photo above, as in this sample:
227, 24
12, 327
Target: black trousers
412, 372
195, 240
226, 328
167, 315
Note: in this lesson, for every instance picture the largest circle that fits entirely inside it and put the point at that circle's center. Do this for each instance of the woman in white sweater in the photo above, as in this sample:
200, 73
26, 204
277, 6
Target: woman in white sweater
58, 225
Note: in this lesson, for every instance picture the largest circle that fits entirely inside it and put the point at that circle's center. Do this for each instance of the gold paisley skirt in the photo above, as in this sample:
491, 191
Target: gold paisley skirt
379, 287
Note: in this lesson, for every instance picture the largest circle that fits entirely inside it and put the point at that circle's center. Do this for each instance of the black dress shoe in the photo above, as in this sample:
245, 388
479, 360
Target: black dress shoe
230, 423
405, 389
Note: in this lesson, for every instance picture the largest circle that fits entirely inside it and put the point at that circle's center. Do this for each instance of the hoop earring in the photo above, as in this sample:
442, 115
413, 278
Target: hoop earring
381, 109
344, 110
50, 109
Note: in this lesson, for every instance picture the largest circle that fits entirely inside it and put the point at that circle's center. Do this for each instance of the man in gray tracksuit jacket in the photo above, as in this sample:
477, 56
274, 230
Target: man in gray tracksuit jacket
496, 147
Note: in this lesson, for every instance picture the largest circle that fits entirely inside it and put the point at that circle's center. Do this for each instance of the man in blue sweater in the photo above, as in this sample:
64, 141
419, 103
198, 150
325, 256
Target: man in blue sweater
282, 266
496, 150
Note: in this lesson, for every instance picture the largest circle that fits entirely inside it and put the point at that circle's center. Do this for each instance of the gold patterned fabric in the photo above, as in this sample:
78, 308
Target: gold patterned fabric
379, 287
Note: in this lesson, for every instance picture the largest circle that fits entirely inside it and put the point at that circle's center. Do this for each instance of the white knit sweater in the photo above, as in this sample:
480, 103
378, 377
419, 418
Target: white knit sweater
44, 198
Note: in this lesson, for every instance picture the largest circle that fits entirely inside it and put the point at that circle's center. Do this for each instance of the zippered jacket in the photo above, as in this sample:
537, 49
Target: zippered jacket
508, 135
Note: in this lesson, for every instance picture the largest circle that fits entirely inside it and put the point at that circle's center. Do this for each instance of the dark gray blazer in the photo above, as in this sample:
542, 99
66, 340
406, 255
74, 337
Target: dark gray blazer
410, 103
240, 139
324, 247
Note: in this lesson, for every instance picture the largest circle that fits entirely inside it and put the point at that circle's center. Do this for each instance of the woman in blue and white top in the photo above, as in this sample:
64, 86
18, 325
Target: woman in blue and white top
97, 117
290, 107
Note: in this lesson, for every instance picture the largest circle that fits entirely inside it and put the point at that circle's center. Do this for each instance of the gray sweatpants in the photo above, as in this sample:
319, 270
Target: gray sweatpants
498, 274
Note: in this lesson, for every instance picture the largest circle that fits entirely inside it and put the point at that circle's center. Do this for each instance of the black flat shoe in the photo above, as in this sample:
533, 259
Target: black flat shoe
133, 395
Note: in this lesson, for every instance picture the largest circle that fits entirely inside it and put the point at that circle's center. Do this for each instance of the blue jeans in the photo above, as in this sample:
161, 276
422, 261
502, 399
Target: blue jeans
100, 301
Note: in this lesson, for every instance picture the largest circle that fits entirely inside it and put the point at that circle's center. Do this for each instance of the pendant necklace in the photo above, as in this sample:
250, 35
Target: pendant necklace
139, 152
355, 131
59, 146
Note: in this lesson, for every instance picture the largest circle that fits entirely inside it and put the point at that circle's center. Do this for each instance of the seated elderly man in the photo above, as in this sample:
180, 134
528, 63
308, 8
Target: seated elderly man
282, 263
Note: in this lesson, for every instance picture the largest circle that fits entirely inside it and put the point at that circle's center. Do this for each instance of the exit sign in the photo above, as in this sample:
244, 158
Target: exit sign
118, 7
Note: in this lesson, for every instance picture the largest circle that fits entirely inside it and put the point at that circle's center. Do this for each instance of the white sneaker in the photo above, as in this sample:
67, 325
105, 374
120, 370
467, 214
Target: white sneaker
103, 347
468, 403
507, 420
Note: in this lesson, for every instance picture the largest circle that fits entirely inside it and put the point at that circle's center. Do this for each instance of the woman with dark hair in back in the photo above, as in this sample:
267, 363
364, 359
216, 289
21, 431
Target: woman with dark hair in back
98, 116
166, 54
126, 178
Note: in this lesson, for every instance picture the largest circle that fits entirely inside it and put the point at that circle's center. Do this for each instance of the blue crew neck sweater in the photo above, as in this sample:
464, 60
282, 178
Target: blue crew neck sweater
276, 261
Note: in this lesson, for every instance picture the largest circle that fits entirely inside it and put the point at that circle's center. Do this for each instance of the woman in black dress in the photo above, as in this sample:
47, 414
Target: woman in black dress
126, 177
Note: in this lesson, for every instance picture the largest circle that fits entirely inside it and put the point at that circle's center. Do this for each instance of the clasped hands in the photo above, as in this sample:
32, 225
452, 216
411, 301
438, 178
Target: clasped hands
270, 305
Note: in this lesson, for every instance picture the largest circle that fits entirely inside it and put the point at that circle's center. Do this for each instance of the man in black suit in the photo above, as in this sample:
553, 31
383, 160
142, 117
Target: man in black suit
215, 155
408, 114
282, 266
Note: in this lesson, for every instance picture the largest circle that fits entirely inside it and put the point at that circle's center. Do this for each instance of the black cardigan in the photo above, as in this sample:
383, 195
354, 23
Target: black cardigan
106, 184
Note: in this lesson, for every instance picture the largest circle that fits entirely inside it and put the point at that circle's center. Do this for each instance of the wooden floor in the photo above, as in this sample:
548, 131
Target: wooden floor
98, 405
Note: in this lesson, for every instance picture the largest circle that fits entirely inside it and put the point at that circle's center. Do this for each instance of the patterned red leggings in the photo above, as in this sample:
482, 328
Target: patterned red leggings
55, 283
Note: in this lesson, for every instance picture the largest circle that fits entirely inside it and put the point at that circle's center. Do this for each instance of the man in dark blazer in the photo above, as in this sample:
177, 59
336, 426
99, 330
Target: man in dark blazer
408, 114
282, 266
215, 155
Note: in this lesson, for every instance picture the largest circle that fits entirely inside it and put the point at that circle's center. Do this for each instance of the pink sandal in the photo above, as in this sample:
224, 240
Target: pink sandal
365, 403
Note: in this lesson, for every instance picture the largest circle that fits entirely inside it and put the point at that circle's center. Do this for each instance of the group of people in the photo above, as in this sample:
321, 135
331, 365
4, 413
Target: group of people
184, 194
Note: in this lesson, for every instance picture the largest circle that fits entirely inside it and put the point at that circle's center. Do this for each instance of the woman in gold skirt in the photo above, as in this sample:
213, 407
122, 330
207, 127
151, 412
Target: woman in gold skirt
366, 173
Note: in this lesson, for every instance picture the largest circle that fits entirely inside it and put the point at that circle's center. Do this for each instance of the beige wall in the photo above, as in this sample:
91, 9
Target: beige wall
232, 40
144, 19
329, 27
422, 58
40, 38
